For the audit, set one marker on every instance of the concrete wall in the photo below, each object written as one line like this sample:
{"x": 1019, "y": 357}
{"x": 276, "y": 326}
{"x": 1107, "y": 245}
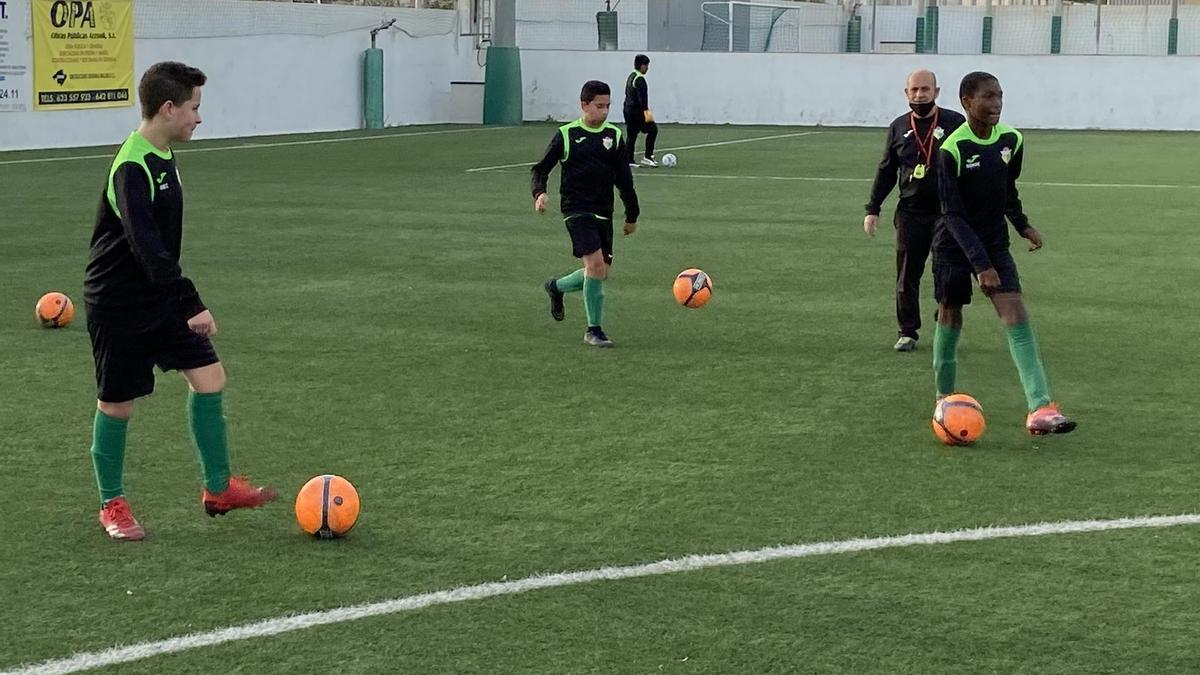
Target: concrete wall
{"x": 1068, "y": 92}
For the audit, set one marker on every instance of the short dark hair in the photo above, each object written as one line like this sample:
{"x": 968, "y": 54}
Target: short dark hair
{"x": 592, "y": 89}
{"x": 972, "y": 81}
{"x": 168, "y": 81}
{"x": 641, "y": 60}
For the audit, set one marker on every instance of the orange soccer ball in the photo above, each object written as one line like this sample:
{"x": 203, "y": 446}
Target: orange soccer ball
{"x": 958, "y": 420}
{"x": 693, "y": 288}
{"x": 327, "y": 506}
{"x": 54, "y": 310}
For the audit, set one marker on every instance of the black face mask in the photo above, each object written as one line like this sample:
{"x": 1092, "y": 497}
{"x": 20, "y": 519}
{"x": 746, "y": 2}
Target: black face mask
{"x": 923, "y": 109}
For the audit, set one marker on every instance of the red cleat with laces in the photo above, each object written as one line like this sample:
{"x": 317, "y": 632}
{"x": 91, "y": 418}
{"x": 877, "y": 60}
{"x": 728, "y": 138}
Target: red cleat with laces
{"x": 240, "y": 494}
{"x": 1048, "y": 420}
{"x": 117, "y": 519}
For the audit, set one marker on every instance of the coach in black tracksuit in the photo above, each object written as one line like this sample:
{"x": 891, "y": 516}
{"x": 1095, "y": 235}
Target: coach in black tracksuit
{"x": 910, "y": 154}
{"x": 638, "y": 118}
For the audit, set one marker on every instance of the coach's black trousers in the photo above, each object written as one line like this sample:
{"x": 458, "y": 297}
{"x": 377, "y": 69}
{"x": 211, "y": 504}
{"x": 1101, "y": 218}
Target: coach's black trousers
{"x": 914, "y": 237}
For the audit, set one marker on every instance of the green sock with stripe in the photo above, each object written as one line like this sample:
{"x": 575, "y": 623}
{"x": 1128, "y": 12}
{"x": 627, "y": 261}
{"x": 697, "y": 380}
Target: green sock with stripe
{"x": 593, "y": 300}
{"x": 570, "y": 283}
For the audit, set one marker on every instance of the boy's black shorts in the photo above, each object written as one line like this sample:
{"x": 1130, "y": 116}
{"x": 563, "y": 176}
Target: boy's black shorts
{"x": 590, "y": 233}
{"x": 125, "y": 361}
{"x": 954, "y": 279}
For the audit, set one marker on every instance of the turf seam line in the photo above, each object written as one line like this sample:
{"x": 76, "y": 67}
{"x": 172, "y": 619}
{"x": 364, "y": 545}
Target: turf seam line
{"x": 251, "y": 145}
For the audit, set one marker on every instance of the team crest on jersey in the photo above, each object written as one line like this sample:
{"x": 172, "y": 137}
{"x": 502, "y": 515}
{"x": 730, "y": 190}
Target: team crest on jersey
{"x": 608, "y": 143}
{"x": 1005, "y": 154}
{"x": 938, "y": 133}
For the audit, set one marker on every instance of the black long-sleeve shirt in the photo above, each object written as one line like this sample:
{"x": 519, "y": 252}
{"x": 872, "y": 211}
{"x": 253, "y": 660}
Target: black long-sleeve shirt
{"x": 133, "y": 279}
{"x": 594, "y": 161}
{"x": 902, "y": 154}
{"x": 637, "y": 94}
{"x": 978, "y": 190}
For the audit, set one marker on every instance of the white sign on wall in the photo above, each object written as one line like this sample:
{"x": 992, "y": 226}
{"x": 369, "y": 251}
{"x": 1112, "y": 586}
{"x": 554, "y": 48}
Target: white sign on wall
{"x": 14, "y": 56}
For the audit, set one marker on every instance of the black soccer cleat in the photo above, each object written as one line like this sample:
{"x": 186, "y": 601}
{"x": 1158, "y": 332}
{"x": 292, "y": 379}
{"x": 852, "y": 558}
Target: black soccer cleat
{"x": 556, "y": 299}
{"x": 596, "y": 337}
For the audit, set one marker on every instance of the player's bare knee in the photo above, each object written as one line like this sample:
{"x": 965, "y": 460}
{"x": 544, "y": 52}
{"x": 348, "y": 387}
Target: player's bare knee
{"x": 207, "y": 380}
{"x": 121, "y": 411}
{"x": 1010, "y": 307}
{"x": 1014, "y": 317}
{"x": 593, "y": 265}
{"x": 950, "y": 315}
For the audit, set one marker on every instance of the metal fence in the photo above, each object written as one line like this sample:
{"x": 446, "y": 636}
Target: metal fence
{"x": 1106, "y": 27}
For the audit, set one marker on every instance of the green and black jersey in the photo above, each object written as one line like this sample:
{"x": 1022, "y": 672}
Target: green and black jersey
{"x": 977, "y": 189}
{"x": 637, "y": 94}
{"x": 133, "y": 278}
{"x": 594, "y": 161}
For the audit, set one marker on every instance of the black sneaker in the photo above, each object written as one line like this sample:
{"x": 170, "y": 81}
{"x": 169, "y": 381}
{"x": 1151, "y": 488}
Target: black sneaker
{"x": 596, "y": 337}
{"x": 556, "y": 299}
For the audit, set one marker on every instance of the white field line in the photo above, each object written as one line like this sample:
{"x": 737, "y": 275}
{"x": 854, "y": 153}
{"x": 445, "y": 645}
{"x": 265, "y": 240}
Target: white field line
{"x": 715, "y": 144}
{"x": 286, "y": 624}
{"x": 269, "y": 144}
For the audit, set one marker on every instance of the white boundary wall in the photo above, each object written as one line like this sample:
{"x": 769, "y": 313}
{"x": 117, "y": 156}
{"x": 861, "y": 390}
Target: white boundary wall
{"x": 1059, "y": 92}
{"x": 272, "y": 84}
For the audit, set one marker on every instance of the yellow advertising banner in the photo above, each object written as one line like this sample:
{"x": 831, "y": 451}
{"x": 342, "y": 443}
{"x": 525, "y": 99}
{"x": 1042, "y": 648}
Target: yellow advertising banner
{"x": 82, "y": 54}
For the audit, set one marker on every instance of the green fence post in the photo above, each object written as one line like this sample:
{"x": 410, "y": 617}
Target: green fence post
{"x": 854, "y": 35}
{"x": 502, "y": 96}
{"x": 502, "y": 102}
{"x": 606, "y": 28}
{"x": 373, "y": 88}
{"x": 931, "y": 29}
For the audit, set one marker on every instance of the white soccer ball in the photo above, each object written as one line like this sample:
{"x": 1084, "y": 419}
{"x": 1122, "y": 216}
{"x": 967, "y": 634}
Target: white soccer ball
{"x": 669, "y": 160}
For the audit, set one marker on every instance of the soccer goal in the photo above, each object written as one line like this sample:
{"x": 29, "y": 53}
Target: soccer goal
{"x": 744, "y": 26}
